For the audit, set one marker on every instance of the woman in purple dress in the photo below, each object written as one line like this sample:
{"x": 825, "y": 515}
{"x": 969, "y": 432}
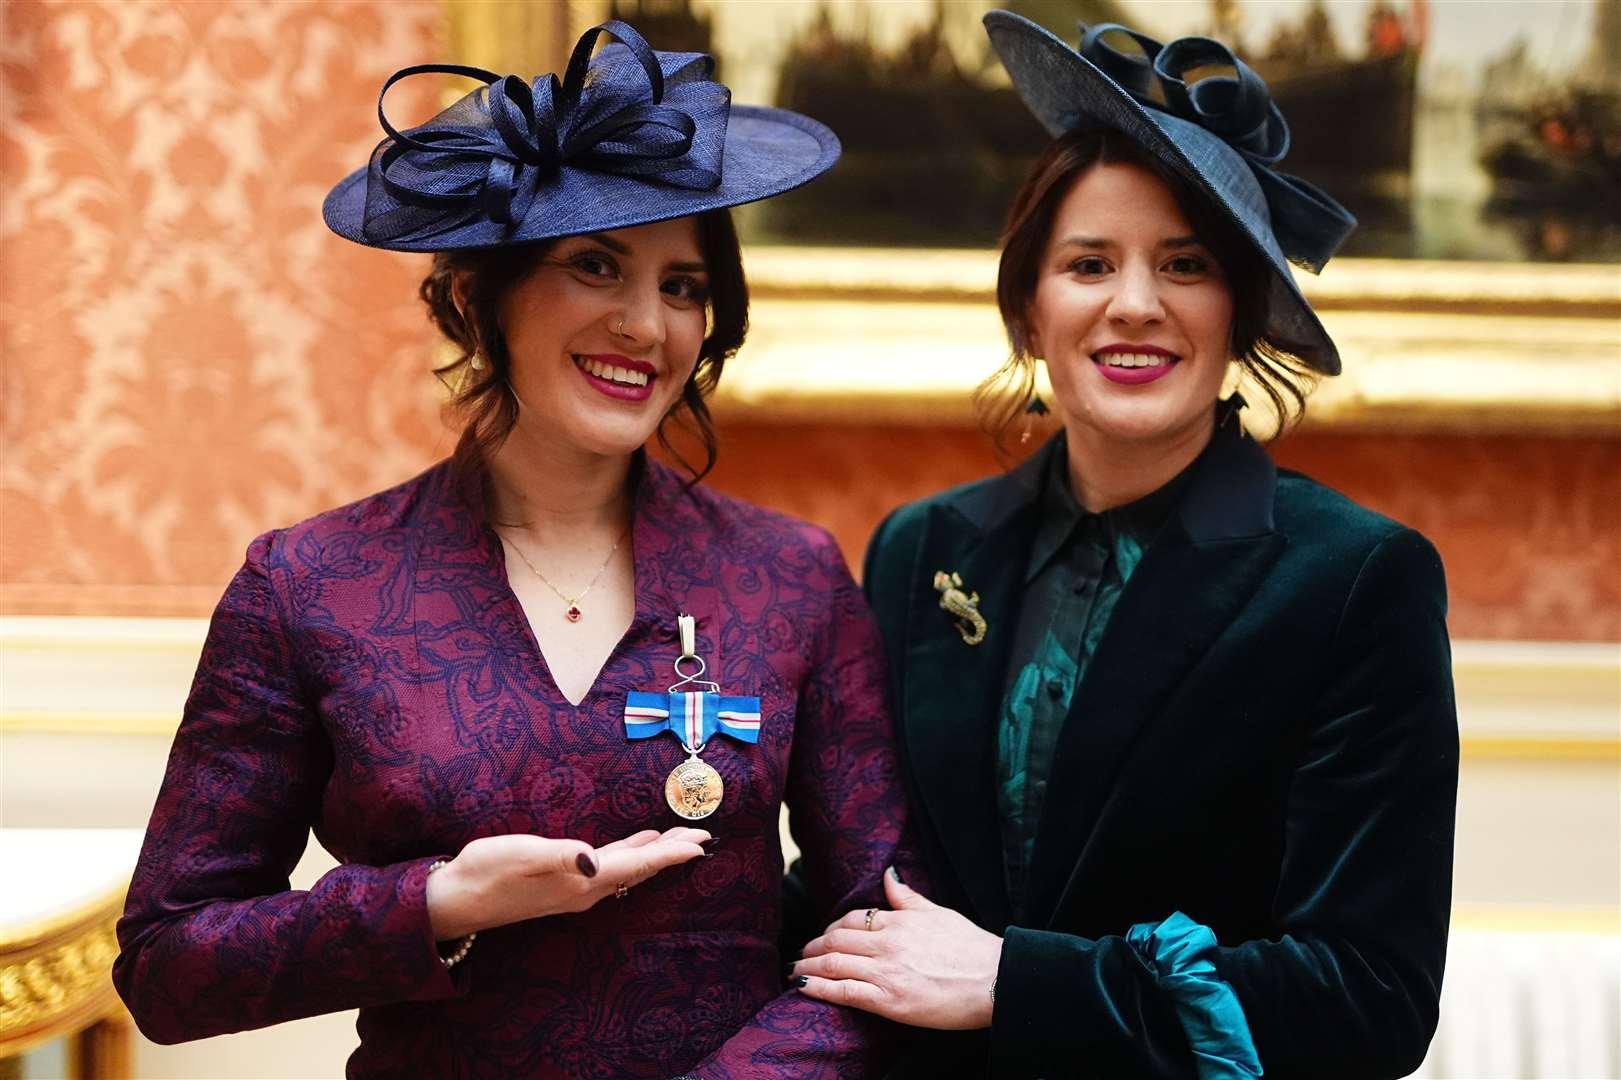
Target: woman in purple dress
{"x": 543, "y": 702}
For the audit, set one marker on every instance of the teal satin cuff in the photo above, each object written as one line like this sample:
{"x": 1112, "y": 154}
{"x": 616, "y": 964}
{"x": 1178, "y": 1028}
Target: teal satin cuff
{"x": 1181, "y": 954}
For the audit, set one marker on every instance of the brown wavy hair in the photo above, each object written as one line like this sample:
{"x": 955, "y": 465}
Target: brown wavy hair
{"x": 1281, "y": 369}
{"x": 483, "y": 399}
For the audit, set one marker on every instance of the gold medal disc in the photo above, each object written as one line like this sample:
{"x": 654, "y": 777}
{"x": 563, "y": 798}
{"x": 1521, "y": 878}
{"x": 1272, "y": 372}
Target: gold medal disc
{"x": 693, "y": 789}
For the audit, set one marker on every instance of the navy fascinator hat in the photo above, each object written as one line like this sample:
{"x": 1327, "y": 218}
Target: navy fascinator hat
{"x": 1222, "y": 132}
{"x": 629, "y": 136}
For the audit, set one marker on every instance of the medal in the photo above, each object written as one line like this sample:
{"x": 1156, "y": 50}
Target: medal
{"x": 693, "y": 789}
{"x": 694, "y": 709}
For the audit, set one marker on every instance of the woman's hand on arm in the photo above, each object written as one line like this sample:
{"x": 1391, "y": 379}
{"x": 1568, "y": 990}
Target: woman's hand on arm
{"x": 498, "y": 880}
{"x": 919, "y": 964}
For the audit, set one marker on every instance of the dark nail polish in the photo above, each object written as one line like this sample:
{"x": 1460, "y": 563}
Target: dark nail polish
{"x": 587, "y": 865}
{"x": 895, "y": 872}
{"x": 801, "y": 980}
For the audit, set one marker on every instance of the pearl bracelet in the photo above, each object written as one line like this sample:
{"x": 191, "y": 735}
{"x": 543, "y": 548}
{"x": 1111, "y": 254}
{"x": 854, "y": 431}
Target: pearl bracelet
{"x": 462, "y": 945}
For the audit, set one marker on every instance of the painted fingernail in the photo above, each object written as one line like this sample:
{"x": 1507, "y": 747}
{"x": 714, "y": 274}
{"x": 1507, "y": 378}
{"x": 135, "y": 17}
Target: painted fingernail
{"x": 801, "y": 980}
{"x": 895, "y": 872}
{"x": 587, "y": 865}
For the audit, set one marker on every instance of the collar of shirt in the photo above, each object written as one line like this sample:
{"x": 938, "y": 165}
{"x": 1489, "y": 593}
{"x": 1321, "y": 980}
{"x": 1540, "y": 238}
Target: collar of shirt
{"x": 1064, "y": 521}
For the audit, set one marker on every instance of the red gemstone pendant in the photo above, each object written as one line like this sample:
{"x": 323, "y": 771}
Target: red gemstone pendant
{"x": 573, "y": 613}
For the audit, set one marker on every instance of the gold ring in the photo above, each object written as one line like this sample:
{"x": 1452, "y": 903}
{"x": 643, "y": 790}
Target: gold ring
{"x": 867, "y": 922}
{"x": 621, "y": 891}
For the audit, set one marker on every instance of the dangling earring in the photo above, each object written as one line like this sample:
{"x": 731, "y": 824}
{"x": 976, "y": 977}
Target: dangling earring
{"x": 1037, "y": 407}
{"x": 472, "y": 374}
{"x": 476, "y": 360}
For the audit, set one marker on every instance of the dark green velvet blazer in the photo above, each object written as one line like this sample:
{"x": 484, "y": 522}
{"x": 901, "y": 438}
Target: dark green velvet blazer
{"x": 1265, "y": 740}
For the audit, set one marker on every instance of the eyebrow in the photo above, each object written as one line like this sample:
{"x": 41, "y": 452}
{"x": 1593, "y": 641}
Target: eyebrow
{"x": 1100, "y": 242}
{"x": 615, "y": 246}
{"x": 619, "y": 247}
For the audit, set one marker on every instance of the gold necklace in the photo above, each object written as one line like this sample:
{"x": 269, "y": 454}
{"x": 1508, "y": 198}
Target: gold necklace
{"x": 572, "y": 612}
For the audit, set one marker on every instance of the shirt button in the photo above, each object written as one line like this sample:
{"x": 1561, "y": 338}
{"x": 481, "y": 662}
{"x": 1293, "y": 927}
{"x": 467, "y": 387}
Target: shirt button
{"x": 1055, "y": 688}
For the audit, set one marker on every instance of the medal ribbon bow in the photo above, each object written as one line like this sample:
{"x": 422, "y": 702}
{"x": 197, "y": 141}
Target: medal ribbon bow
{"x": 694, "y": 716}
{"x": 1238, "y": 108}
{"x": 632, "y": 112}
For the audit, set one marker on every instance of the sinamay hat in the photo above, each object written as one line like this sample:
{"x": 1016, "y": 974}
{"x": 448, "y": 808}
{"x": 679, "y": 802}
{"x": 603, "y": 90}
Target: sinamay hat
{"x": 628, "y": 137}
{"x": 1222, "y": 132}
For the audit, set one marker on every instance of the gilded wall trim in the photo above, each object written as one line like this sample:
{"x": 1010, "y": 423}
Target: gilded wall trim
{"x": 888, "y": 336}
{"x": 1472, "y": 746}
{"x": 1413, "y": 285}
{"x": 1518, "y": 701}
{"x": 1537, "y": 919}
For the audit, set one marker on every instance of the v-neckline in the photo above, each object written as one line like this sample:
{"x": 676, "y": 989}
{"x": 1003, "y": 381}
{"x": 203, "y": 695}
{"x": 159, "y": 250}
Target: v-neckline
{"x": 496, "y": 548}
{"x": 646, "y": 489}
{"x": 650, "y": 491}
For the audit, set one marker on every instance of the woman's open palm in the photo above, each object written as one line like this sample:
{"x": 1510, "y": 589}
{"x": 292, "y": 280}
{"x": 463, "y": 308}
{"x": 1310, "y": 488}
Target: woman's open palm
{"x": 497, "y": 880}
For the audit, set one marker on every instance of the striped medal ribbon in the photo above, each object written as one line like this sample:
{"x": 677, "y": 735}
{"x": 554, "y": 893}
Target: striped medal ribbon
{"x": 693, "y": 789}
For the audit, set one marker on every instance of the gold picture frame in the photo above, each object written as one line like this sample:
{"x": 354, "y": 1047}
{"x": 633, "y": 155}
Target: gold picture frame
{"x": 900, "y": 335}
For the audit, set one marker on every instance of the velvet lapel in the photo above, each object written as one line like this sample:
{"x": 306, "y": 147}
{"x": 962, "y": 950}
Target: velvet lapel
{"x": 953, "y": 690}
{"x": 1193, "y": 580}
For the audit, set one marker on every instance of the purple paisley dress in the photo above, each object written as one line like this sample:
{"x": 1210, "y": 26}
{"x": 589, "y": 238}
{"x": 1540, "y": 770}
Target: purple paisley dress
{"x": 370, "y": 675}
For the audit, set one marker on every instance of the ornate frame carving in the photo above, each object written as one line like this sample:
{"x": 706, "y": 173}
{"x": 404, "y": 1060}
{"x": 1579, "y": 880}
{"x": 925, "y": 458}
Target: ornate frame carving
{"x": 55, "y": 979}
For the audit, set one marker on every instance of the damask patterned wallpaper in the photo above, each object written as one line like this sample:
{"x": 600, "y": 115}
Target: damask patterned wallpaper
{"x": 189, "y": 357}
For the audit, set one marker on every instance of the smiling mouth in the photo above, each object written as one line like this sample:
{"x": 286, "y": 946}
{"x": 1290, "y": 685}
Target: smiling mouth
{"x": 610, "y": 373}
{"x": 1135, "y": 360}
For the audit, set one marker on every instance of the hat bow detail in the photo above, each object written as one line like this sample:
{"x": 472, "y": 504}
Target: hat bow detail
{"x": 1237, "y": 108}
{"x": 630, "y": 112}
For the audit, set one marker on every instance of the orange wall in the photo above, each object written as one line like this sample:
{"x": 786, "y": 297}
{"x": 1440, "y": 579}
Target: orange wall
{"x": 1529, "y": 528}
{"x": 189, "y": 357}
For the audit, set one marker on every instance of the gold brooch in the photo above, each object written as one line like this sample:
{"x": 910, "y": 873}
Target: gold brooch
{"x": 965, "y": 606}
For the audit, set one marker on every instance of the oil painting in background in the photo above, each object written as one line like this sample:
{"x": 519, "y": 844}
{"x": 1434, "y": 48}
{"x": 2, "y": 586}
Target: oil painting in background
{"x": 1454, "y": 129}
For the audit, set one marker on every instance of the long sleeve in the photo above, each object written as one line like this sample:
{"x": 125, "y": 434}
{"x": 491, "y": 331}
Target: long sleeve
{"x": 848, "y": 813}
{"x": 1351, "y": 985}
{"x": 213, "y": 940}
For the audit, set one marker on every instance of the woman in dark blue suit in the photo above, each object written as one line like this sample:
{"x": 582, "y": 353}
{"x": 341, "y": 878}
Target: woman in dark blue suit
{"x": 1179, "y": 726}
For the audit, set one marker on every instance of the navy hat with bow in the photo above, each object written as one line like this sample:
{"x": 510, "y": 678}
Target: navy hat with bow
{"x": 1222, "y": 132}
{"x": 629, "y": 136}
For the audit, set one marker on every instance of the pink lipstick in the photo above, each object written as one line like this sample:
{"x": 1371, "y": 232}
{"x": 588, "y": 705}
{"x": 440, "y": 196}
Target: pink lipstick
{"x": 1133, "y": 365}
{"x": 616, "y": 376}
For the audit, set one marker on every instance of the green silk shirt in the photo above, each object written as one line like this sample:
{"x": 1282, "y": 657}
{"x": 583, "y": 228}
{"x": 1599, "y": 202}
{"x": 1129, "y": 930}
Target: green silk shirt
{"x": 1079, "y": 565}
